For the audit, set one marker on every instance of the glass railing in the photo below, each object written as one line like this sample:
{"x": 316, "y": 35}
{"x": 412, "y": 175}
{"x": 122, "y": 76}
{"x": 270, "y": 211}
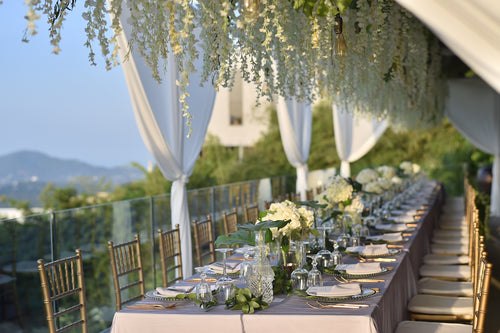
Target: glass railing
{"x": 55, "y": 235}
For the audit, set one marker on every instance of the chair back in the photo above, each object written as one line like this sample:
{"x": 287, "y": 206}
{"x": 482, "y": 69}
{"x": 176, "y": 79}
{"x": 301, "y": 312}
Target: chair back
{"x": 204, "y": 240}
{"x": 309, "y": 195}
{"x": 230, "y": 221}
{"x": 127, "y": 271}
{"x": 480, "y": 300}
{"x": 251, "y": 213}
{"x": 170, "y": 256}
{"x": 63, "y": 291}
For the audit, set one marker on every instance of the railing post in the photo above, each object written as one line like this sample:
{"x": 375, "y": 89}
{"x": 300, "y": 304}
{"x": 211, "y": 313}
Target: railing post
{"x": 152, "y": 235}
{"x": 53, "y": 242}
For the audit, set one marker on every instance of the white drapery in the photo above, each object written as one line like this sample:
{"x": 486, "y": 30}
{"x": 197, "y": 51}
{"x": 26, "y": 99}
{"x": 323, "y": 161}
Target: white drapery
{"x": 161, "y": 124}
{"x": 474, "y": 109}
{"x": 471, "y": 29}
{"x": 354, "y": 136}
{"x": 295, "y": 122}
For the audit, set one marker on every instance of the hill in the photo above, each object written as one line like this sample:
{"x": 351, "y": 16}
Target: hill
{"x": 24, "y": 174}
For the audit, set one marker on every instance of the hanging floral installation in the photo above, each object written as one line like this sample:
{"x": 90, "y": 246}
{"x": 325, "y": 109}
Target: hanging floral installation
{"x": 372, "y": 55}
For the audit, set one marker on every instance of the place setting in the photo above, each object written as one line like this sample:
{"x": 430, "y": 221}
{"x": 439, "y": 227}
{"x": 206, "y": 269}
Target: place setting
{"x": 372, "y": 251}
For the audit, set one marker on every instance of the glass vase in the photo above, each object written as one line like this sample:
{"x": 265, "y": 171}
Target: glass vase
{"x": 261, "y": 275}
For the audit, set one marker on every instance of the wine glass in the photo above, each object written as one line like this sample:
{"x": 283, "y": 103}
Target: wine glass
{"x": 299, "y": 275}
{"x": 203, "y": 289}
{"x": 314, "y": 278}
{"x": 323, "y": 254}
{"x": 224, "y": 285}
{"x": 245, "y": 265}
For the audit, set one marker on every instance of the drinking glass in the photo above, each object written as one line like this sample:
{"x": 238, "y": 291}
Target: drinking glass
{"x": 324, "y": 254}
{"x": 203, "y": 289}
{"x": 244, "y": 267}
{"x": 224, "y": 285}
{"x": 299, "y": 275}
{"x": 314, "y": 278}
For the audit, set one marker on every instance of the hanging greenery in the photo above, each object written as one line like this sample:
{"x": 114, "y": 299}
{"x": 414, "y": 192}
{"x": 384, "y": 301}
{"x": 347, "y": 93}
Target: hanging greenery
{"x": 388, "y": 66}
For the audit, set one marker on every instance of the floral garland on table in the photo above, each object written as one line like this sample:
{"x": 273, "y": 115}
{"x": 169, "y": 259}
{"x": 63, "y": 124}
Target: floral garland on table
{"x": 284, "y": 47}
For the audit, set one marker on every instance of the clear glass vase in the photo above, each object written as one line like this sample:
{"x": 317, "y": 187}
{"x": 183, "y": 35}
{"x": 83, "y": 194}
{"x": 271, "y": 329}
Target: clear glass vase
{"x": 261, "y": 275}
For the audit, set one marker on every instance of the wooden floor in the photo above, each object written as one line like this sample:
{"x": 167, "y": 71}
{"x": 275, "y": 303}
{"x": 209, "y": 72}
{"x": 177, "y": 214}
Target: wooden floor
{"x": 492, "y": 324}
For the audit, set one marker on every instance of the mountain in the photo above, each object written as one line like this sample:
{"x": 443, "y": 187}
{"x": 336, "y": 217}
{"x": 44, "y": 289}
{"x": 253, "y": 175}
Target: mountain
{"x": 25, "y": 172}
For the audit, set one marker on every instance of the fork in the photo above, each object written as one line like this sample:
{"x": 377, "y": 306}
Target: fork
{"x": 152, "y": 306}
{"x": 340, "y": 306}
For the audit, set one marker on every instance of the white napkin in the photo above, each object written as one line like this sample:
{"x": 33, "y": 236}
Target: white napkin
{"x": 343, "y": 289}
{"x": 375, "y": 250}
{"x": 391, "y": 227}
{"x": 401, "y": 219}
{"x": 360, "y": 268}
{"x": 173, "y": 291}
{"x": 231, "y": 267}
{"x": 390, "y": 238}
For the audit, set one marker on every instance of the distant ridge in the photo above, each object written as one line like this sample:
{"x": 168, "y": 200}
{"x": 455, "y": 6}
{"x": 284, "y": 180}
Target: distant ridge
{"x": 29, "y": 171}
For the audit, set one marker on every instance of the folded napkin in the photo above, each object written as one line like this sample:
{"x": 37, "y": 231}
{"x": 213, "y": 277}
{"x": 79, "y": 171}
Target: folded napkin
{"x": 391, "y": 227}
{"x": 375, "y": 250}
{"x": 390, "y": 238}
{"x": 360, "y": 268}
{"x": 231, "y": 267}
{"x": 401, "y": 219}
{"x": 343, "y": 289}
{"x": 173, "y": 291}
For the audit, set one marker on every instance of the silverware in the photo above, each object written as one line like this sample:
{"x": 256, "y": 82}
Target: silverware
{"x": 152, "y": 306}
{"x": 180, "y": 290}
{"x": 338, "y": 306}
{"x": 344, "y": 280}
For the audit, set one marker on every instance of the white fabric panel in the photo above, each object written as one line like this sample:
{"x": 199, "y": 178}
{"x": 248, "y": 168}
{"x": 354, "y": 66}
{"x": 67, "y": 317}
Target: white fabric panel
{"x": 295, "y": 121}
{"x": 161, "y": 124}
{"x": 474, "y": 109}
{"x": 471, "y": 29}
{"x": 354, "y": 136}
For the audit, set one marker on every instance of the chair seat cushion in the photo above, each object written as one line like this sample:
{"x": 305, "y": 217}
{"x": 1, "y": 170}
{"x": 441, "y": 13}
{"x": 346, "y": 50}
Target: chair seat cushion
{"x": 444, "y": 305}
{"x": 446, "y": 288}
{"x": 441, "y": 259}
{"x": 451, "y": 240}
{"x": 450, "y": 233}
{"x": 451, "y": 249}
{"x": 431, "y": 327}
{"x": 462, "y": 272}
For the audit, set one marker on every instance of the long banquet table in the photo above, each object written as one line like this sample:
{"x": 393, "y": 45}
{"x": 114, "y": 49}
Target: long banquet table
{"x": 292, "y": 314}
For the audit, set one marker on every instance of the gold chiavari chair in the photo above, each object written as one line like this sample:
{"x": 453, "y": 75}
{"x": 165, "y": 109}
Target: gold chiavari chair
{"x": 251, "y": 213}
{"x": 204, "y": 240}
{"x": 127, "y": 271}
{"x": 478, "y": 313}
{"x": 64, "y": 293}
{"x": 309, "y": 195}
{"x": 230, "y": 221}
{"x": 170, "y": 255}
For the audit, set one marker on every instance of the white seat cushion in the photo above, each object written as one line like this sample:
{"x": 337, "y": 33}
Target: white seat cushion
{"x": 446, "y": 288}
{"x": 451, "y": 249}
{"x": 444, "y": 305}
{"x": 441, "y": 259}
{"x": 450, "y": 233}
{"x": 454, "y": 226}
{"x": 462, "y": 272}
{"x": 451, "y": 240}
{"x": 431, "y": 327}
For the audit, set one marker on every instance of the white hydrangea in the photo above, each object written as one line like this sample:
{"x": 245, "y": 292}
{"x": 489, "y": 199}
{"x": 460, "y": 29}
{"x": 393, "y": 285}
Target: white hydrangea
{"x": 366, "y": 176}
{"x": 407, "y": 167}
{"x": 356, "y": 206}
{"x": 415, "y": 168}
{"x": 301, "y": 219}
{"x": 373, "y": 187}
{"x": 384, "y": 183}
{"x": 386, "y": 172}
{"x": 396, "y": 180}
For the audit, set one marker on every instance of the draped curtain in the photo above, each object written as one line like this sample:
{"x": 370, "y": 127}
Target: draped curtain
{"x": 471, "y": 29}
{"x": 354, "y": 136}
{"x": 295, "y": 122}
{"x": 162, "y": 127}
{"x": 474, "y": 109}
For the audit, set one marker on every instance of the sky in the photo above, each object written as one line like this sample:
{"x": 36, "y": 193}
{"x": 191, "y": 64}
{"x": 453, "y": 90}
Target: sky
{"x": 60, "y": 104}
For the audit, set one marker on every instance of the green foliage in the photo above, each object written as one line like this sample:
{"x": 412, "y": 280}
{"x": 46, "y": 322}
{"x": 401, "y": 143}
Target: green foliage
{"x": 482, "y": 202}
{"x": 312, "y": 8}
{"x": 246, "y": 302}
{"x": 282, "y": 284}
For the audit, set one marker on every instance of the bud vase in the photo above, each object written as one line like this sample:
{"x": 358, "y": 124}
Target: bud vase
{"x": 261, "y": 275}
